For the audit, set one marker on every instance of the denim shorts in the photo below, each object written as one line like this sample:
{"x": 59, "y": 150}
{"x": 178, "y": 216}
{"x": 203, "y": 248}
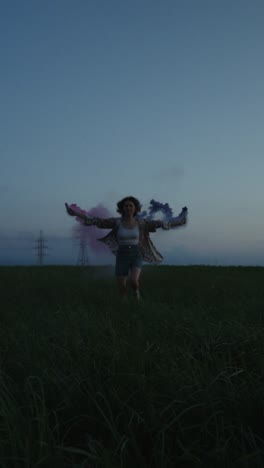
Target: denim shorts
{"x": 127, "y": 257}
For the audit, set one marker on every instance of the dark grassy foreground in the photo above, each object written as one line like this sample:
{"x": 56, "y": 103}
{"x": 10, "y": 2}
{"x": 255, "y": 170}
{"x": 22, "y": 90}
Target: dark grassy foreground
{"x": 177, "y": 381}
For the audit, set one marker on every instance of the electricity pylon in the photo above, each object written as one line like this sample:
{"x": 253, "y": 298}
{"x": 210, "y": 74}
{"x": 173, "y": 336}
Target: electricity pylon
{"x": 40, "y": 247}
{"x": 83, "y": 258}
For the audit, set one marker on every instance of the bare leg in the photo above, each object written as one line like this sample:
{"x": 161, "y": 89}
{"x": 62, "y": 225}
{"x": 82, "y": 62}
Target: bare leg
{"x": 122, "y": 286}
{"x": 135, "y": 274}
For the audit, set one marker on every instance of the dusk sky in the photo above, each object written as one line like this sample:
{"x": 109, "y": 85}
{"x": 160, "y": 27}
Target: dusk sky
{"x": 158, "y": 99}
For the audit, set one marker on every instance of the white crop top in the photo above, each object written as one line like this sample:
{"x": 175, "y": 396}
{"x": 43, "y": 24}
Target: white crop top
{"x": 127, "y": 236}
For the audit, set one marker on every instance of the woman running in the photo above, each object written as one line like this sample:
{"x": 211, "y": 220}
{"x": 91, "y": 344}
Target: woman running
{"x": 129, "y": 239}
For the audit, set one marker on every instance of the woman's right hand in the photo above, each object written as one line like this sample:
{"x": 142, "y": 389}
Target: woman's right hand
{"x": 69, "y": 210}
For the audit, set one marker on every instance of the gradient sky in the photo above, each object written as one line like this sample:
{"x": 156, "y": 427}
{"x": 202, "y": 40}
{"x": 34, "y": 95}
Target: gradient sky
{"x": 156, "y": 99}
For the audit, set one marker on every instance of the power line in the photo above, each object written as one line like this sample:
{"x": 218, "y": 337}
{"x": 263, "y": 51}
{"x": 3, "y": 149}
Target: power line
{"x": 40, "y": 247}
{"x": 83, "y": 258}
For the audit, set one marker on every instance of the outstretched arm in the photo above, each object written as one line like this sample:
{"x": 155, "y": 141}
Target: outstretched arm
{"x": 107, "y": 223}
{"x": 175, "y": 222}
{"x": 178, "y": 221}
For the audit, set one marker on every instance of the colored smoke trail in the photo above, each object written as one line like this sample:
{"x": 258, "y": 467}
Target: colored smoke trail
{"x": 92, "y": 233}
{"x": 156, "y": 207}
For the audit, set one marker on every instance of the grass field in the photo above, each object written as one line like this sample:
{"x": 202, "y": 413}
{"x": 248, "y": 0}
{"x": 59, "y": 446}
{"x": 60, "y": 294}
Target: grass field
{"x": 174, "y": 381}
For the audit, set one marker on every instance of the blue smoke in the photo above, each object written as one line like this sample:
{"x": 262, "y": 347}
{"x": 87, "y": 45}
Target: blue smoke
{"x": 156, "y": 207}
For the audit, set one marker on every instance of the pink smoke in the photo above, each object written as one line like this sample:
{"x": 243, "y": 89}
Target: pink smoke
{"x": 92, "y": 233}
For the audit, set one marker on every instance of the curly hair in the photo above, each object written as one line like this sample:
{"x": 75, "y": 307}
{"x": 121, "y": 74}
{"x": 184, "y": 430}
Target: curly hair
{"x": 134, "y": 200}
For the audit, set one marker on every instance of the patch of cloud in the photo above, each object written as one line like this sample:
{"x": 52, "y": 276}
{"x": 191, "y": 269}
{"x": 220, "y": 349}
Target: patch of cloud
{"x": 112, "y": 196}
{"x": 175, "y": 172}
{"x": 25, "y": 236}
{"x": 4, "y": 236}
